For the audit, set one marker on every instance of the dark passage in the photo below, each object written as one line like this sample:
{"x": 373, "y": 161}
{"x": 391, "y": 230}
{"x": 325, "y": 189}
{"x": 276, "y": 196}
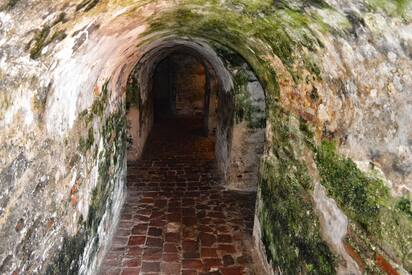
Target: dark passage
{"x": 178, "y": 219}
{"x": 179, "y": 86}
{"x": 182, "y": 87}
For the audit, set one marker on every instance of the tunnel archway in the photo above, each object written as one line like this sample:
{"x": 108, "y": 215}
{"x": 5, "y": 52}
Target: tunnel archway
{"x": 196, "y": 131}
{"x": 231, "y": 103}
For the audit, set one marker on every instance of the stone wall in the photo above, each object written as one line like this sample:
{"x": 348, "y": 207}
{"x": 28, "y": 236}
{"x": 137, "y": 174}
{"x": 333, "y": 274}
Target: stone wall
{"x": 60, "y": 198}
{"x": 190, "y": 85}
{"x": 248, "y": 133}
{"x": 336, "y": 76}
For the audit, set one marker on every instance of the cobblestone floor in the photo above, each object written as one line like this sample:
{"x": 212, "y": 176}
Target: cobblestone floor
{"x": 177, "y": 219}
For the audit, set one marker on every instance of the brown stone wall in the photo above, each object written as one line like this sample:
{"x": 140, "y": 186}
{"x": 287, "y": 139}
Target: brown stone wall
{"x": 190, "y": 85}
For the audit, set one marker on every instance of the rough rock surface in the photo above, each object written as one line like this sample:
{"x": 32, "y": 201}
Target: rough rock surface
{"x": 330, "y": 70}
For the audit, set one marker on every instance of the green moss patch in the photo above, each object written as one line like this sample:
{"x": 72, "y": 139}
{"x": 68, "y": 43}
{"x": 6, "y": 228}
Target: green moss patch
{"x": 244, "y": 108}
{"x": 359, "y": 193}
{"x": 68, "y": 259}
{"x": 39, "y": 41}
{"x": 111, "y": 158}
{"x": 404, "y": 205}
{"x": 42, "y": 37}
{"x": 366, "y": 200}
{"x": 99, "y": 105}
{"x": 290, "y": 228}
{"x": 284, "y": 30}
{"x": 86, "y": 143}
{"x": 391, "y": 7}
{"x": 112, "y": 132}
{"x": 132, "y": 93}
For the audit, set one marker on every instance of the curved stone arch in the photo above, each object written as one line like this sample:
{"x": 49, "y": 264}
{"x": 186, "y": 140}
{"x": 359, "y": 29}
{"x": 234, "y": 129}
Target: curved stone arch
{"x": 197, "y": 47}
{"x": 151, "y": 55}
{"x": 236, "y": 160}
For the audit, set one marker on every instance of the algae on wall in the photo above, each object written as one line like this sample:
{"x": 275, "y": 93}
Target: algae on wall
{"x": 382, "y": 227}
{"x": 290, "y": 227}
{"x": 108, "y": 153}
{"x": 247, "y": 102}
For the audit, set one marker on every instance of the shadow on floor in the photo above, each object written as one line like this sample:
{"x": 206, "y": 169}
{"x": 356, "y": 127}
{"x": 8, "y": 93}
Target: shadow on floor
{"x": 177, "y": 218}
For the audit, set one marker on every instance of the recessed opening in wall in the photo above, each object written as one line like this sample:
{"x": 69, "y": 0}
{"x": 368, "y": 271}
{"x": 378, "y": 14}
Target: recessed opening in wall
{"x": 223, "y": 99}
{"x": 194, "y": 129}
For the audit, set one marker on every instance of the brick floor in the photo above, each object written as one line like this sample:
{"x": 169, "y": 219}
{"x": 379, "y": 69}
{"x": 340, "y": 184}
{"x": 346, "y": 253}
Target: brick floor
{"x": 177, "y": 218}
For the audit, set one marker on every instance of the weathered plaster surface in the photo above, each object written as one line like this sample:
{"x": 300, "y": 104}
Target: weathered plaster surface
{"x": 344, "y": 69}
{"x": 334, "y": 226}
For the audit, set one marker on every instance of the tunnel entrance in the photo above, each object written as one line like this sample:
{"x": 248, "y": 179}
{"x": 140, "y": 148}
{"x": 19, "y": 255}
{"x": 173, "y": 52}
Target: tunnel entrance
{"x": 179, "y": 217}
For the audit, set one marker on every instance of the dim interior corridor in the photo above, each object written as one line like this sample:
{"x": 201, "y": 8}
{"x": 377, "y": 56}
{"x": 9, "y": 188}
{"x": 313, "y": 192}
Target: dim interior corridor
{"x": 177, "y": 218}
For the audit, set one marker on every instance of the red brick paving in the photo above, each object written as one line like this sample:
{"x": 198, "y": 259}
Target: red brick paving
{"x": 177, "y": 218}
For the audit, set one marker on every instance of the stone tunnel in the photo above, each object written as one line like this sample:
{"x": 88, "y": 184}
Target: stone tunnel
{"x": 205, "y": 137}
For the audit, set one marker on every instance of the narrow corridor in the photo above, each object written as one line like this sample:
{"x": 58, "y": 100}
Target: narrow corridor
{"x": 177, "y": 218}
